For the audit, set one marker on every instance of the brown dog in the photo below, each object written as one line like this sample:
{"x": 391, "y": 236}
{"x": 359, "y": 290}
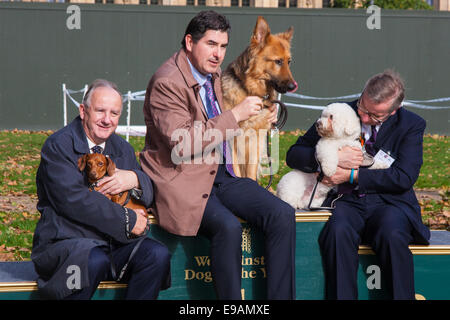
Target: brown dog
{"x": 261, "y": 70}
{"x": 97, "y": 166}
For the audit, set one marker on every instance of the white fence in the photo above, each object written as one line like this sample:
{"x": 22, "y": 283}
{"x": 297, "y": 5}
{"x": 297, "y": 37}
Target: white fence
{"x": 126, "y": 130}
{"x": 133, "y": 130}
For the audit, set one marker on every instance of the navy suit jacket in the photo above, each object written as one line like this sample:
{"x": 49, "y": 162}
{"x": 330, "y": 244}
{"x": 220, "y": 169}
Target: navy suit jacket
{"x": 74, "y": 219}
{"x": 402, "y": 136}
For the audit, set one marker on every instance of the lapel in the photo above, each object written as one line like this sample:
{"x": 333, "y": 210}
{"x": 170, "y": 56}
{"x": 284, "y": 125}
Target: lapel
{"x": 80, "y": 143}
{"x": 217, "y": 89}
{"x": 111, "y": 148}
{"x": 200, "y": 102}
{"x": 386, "y": 130}
{"x": 185, "y": 70}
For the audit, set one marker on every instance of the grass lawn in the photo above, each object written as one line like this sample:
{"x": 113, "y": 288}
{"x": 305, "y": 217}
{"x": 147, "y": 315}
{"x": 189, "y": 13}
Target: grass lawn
{"x": 20, "y": 157}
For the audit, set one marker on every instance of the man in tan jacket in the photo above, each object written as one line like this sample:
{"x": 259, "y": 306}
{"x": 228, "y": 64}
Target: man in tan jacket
{"x": 195, "y": 191}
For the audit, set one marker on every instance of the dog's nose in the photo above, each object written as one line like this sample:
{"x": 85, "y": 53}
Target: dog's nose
{"x": 292, "y": 86}
{"x": 318, "y": 124}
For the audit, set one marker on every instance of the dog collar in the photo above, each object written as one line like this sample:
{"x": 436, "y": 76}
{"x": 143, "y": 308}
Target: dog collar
{"x": 93, "y": 185}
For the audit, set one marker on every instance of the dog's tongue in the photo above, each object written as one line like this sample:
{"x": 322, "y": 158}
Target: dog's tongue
{"x": 296, "y": 87}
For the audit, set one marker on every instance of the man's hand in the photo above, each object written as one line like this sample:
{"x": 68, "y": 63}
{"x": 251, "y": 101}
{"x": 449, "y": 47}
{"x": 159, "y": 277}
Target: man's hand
{"x": 120, "y": 181}
{"x": 350, "y": 157}
{"x": 250, "y": 106}
{"x": 341, "y": 176}
{"x": 141, "y": 222}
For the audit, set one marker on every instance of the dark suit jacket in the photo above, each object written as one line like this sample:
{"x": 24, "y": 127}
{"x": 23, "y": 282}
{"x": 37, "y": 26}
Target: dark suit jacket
{"x": 402, "y": 136}
{"x": 73, "y": 219}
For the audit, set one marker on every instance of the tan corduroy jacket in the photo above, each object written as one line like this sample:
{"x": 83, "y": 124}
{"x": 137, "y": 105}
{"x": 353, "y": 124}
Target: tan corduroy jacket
{"x": 173, "y": 108}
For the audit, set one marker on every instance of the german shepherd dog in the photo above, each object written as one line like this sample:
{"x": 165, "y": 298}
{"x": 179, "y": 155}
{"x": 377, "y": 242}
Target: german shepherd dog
{"x": 261, "y": 70}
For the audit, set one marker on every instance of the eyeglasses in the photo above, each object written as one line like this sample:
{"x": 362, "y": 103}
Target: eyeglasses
{"x": 378, "y": 120}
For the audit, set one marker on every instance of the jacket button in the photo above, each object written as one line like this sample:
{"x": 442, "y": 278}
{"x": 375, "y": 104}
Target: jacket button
{"x": 212, "y": 172}
{"x": 205, "y": 196}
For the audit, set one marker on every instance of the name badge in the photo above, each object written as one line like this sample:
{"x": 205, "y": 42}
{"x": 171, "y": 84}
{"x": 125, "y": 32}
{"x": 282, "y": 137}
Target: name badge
{"x": 384, "y": 157}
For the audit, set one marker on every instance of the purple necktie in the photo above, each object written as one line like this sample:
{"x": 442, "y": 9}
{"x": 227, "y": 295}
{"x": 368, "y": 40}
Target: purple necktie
{"x": 369, "y": 146}
{"x": 212, "y": 111}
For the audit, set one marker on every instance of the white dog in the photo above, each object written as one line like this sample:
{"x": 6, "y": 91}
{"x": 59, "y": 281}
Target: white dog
{"x": 338, "y": 126}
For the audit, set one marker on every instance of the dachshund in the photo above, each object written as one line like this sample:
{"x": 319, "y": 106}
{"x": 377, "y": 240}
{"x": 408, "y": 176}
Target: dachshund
{"x": 97, "y": 166}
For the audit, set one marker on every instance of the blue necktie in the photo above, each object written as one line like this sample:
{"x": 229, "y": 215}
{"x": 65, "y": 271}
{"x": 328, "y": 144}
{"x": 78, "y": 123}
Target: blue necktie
{"x": 97, "y": 149}
{"x": 212, "y": 111}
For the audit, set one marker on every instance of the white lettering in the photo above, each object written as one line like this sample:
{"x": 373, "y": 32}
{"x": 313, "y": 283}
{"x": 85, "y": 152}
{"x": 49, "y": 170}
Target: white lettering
{"x": 74, "y": 20}
{"x": 74, "y": 280}
{"x": 374, "y": 280}
{"x": 374, "y": 20}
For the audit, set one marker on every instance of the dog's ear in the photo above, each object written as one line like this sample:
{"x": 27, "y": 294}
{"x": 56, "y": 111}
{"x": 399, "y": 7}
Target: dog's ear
{"x": 352, "y": 127}
{"x": 111, "y": 167}
{"x": 260, "y": 33}
{"x": 350, "y": 131}
{"x": 288, "y": 34}
{"x": 82, "y": 162}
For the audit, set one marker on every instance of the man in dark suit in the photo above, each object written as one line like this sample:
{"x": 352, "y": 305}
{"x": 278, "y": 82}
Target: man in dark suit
{"x": 82, "y": 237}
{"x": 378, "y": 207}
{"x": 205, "y": 197}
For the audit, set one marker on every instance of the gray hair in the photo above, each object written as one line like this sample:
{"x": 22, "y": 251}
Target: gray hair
{"x": 386, "y": 86}
{"x": 98, "y": 83}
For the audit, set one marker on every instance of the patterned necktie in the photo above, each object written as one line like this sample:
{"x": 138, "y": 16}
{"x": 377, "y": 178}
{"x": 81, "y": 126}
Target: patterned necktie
{"x": 212, "y": 111}
{"x": 369, "y": 146}
{"x": 97, "y": 149}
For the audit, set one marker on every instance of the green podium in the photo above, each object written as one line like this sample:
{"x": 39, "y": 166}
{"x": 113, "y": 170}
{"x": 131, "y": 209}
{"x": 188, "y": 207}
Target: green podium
{"x": 191, "y": 275}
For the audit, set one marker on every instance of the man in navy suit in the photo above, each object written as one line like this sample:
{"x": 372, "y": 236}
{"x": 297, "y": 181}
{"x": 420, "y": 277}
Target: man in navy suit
{"x": 378, "y": 207}
{"x": 82, "y": 237}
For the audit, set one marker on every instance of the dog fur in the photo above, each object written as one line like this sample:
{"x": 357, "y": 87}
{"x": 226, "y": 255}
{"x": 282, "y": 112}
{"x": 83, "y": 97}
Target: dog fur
{"x": 97, "y": 166}
{"x": 261, "y": 70}
{"x": 338, "y": 126}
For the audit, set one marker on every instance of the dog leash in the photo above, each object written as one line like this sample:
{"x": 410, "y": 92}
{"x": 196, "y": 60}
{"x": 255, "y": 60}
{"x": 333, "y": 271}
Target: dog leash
{"x": 124, "y": 268}
{"x": 283, "y": 112}
{"x": 133, "y": 252}
{"x": 319, "y": 178}
{"x": 277, "y": 126}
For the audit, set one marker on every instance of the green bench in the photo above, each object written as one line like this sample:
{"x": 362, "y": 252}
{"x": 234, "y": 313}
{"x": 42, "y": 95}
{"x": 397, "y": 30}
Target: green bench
{"x": 191, "y": 276}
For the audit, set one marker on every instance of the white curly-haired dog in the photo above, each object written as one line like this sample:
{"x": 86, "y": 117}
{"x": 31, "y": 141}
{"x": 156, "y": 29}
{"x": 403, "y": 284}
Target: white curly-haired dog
{"x": 338, "y": 126}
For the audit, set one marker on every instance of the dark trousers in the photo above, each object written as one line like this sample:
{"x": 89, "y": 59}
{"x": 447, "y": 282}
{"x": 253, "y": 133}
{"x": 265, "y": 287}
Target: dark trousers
{"x": 371, "y": 221}
{"x": 147, "y": 273}
{"x": 241, "y": 197}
